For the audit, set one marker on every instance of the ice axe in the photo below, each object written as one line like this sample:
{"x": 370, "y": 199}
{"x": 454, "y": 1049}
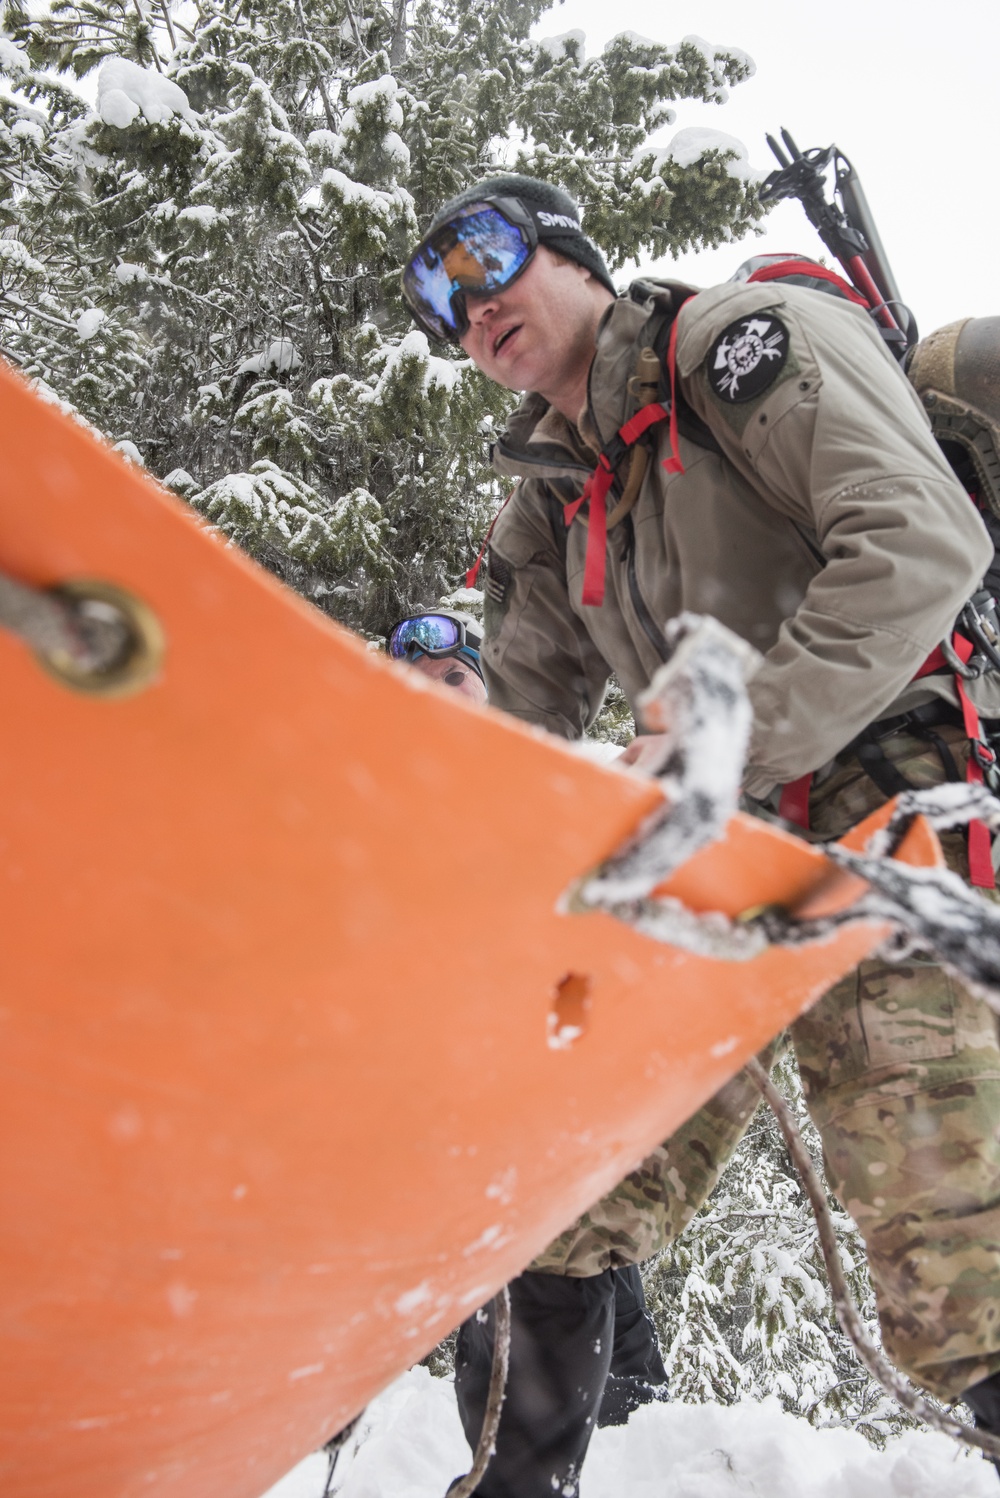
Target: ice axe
{"x": 845, "y": 224}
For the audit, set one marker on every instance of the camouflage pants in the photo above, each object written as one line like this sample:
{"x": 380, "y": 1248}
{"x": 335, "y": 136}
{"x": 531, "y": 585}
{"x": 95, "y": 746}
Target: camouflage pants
{"x": 901, "y": 1070}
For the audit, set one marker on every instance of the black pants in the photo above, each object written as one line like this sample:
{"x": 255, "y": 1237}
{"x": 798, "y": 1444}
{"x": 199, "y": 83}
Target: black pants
{"x": 637, "y": 1373}
{"x": 582, "y": 1352}
{"x": 983, "y": 1400}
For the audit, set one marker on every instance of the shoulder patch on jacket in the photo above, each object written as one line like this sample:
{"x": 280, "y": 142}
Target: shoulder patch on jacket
{"x": 496, "y": 587}
{"x": 747, "y": 357}
{"x": 498, "y": 574}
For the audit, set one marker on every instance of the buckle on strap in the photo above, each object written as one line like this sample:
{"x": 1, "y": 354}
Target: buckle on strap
{"x": 984, "y": 756}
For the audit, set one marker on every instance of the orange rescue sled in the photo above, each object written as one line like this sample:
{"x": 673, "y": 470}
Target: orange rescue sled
{"x": 280, "y": 955}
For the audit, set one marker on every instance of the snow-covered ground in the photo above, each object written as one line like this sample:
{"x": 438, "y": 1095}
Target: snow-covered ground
{"x": 413, "y": 1446}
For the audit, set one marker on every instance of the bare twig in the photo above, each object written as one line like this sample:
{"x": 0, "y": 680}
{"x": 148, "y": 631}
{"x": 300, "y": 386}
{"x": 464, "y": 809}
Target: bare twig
{"x": 165, "y": 9}
{"x": 354, "y": 27}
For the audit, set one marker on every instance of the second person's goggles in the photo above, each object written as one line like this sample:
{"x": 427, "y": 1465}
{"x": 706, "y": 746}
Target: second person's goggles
{"x": 436, "y": 635}
{"x": 481, "y": 250}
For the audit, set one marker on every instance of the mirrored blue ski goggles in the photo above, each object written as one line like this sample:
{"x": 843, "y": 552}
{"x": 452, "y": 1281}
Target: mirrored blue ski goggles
{"x": 436, "y": 635}
{"x": 481, "y": 250}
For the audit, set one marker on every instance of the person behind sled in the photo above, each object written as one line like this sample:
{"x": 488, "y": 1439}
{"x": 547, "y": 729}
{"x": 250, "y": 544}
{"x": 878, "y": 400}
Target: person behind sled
{"x": 755, "y": 453}
{"x": 590, "y": 1370}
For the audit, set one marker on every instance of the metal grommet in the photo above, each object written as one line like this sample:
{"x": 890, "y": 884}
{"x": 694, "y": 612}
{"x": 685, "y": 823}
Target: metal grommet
{"x": 135, "y": 665}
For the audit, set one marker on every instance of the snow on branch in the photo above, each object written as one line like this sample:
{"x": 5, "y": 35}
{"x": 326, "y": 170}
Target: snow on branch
{"x": 13, "y": 61}
{"x": 414, "y": 351}
{"x": 280, "y": 355}
{"x": 125, "y": 90}
{"x": 568, "y": 43}
{"x": 690, "y": 145}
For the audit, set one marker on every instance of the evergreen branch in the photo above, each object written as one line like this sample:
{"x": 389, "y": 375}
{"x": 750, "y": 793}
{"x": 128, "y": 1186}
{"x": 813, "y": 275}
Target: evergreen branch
{"x": 144, "y": 23}
{"x": 34, "y": 311}
{"x": 331, "y": 119}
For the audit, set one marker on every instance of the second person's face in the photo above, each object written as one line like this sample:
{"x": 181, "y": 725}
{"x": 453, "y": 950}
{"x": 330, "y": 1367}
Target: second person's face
{"x": 455, "y": 673}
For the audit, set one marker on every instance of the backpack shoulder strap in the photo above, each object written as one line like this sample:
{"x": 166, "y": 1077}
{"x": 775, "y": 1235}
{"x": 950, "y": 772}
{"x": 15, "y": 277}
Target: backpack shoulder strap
{"x": 689, "y": 423}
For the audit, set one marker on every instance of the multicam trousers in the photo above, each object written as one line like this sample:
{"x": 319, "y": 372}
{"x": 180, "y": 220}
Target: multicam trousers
{"x": 901, "y": 1071}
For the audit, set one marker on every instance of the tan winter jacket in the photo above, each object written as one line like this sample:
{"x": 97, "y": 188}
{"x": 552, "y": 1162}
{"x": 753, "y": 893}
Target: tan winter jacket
{"x": 826, "y": 528}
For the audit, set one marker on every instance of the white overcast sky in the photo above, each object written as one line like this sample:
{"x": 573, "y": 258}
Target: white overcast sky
{"x": 908, "y": 91}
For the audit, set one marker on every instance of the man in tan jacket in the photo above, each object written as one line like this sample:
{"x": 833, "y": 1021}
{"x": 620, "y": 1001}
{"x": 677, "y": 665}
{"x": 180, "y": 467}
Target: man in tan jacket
{"x": 797, "y": 494}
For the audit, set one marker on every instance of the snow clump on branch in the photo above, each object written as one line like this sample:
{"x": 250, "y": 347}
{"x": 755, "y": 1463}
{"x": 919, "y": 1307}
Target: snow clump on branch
{"x": 12, "y": 60}
{"x": 415, "y": 350}
{"x": 693, "y": 143}
{"x": 281, "y": 355}
{"x": 558, "y": 47}
{"x": 124, "y": 91}
{"x": 88, "y": 323}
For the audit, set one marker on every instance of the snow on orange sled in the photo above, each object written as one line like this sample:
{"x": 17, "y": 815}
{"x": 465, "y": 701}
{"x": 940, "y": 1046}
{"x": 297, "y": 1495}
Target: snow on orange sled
{"x": 289, "y": 1076}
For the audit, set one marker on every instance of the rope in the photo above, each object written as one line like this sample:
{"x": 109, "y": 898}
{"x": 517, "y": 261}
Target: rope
{"x": 878, "y": 1365}
{"x": 487, "y": 1442}
{"x": 88, "y": 633}
{"x": 929, "y": 909}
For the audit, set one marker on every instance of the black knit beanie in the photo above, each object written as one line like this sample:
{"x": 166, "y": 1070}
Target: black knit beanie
{"x": 556, "y": 216}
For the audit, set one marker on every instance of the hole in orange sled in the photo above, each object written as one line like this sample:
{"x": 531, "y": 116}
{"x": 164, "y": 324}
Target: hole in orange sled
{"x": 570, "y": 1011}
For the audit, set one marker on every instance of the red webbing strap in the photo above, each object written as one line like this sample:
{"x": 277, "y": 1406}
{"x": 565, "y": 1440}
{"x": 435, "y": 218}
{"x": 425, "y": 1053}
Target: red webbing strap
{"x": 673, "y": 464}
{"x": 570, "y": 511}
{"x": 473, "y": 572}
{"x": 795, "y": 267}
{"x": 936, "y": 661}
{"x": 980, "y": 857}
{"x": 793, "y": 804}
{"x": 641, "y": 422}
{"x": 596, "y": 490}
{"x": 597, "y": 534}
{"x": 600, "y": 481}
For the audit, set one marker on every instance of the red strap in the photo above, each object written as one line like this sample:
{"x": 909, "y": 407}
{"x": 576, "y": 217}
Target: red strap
{"x": 936, "y": 661}
{"x": 596, "y": 490}
{"x": 980, "y": 859}
{"x": 570, "y": 511}
{"x": 597, "y": 536}
{"x": 473, "y": 572}
{"x": 793, "y": 804}
{"x": 781, "y": 269}
{"x": 597, "y": 486}
{"x": 641, "y": 422}
{"x": 673, "y": 464}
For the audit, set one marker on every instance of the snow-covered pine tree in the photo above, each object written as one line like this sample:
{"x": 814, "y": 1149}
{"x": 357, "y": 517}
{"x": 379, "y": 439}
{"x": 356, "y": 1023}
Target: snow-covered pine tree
{"x": 205, "y": 266}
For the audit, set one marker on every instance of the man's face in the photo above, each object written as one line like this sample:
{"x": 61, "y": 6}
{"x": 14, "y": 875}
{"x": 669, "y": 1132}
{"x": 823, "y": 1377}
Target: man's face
{"x": 454, "y": 672}
{"x": 538, "y": 333}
